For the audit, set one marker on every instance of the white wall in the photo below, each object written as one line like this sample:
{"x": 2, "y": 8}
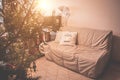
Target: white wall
{"x": 98, "y": 14}
{"x": 101, "y": 14}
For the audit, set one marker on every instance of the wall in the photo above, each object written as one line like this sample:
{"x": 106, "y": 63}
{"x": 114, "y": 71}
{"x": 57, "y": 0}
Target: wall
{"x": 98, "y": 14}
{"x": 101, "y": 14}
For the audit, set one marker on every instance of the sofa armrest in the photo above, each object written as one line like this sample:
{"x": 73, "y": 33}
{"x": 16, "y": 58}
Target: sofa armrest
{"x": 102, "y": 63}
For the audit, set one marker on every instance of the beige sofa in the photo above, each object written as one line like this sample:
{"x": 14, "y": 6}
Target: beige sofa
{"x": 88, "y": 57}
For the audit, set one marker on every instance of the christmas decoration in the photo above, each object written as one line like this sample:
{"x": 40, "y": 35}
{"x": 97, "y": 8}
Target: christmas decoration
{"x": 20, "y": 36}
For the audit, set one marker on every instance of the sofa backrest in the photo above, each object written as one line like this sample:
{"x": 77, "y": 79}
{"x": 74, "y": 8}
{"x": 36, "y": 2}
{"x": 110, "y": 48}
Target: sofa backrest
{"x": 100, "y": 39}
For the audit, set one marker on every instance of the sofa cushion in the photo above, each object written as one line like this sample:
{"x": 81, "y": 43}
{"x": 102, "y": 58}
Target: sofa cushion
{"x": 68, "y": 38}
{"x": 63, "y": 55}
{"x": 61, "y": 51}
{"x": 58, "y": 36}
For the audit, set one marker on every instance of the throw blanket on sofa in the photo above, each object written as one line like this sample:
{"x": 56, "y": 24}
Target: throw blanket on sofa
{"x": 88, "y": 57}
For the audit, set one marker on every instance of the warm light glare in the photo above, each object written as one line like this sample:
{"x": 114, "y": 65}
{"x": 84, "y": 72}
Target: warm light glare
{"x": 45, "y": 6}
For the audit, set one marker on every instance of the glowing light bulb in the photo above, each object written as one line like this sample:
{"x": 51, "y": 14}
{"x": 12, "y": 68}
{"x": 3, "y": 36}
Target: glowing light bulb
{"x": 45, "y": 6}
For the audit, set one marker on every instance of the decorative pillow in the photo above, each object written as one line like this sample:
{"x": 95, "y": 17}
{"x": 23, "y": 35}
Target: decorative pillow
{"x": 58, "y": 36}
{"x": 68, "y": 38}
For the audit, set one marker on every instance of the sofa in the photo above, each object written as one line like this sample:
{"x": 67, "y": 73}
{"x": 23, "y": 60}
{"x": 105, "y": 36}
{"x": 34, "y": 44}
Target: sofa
{"x": 90, "y": 54}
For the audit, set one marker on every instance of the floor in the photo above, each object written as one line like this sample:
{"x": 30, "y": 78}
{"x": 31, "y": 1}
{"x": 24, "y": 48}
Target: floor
{"x": 47, "y": 70}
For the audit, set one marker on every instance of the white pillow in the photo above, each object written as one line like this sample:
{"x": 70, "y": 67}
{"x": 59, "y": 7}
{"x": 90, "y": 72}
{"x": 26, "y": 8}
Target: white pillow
{"x": 68, "y": 38}
{"x": 58, "y": 36}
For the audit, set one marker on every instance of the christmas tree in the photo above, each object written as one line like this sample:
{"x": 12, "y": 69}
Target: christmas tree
{"x": 21, "y": 34}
